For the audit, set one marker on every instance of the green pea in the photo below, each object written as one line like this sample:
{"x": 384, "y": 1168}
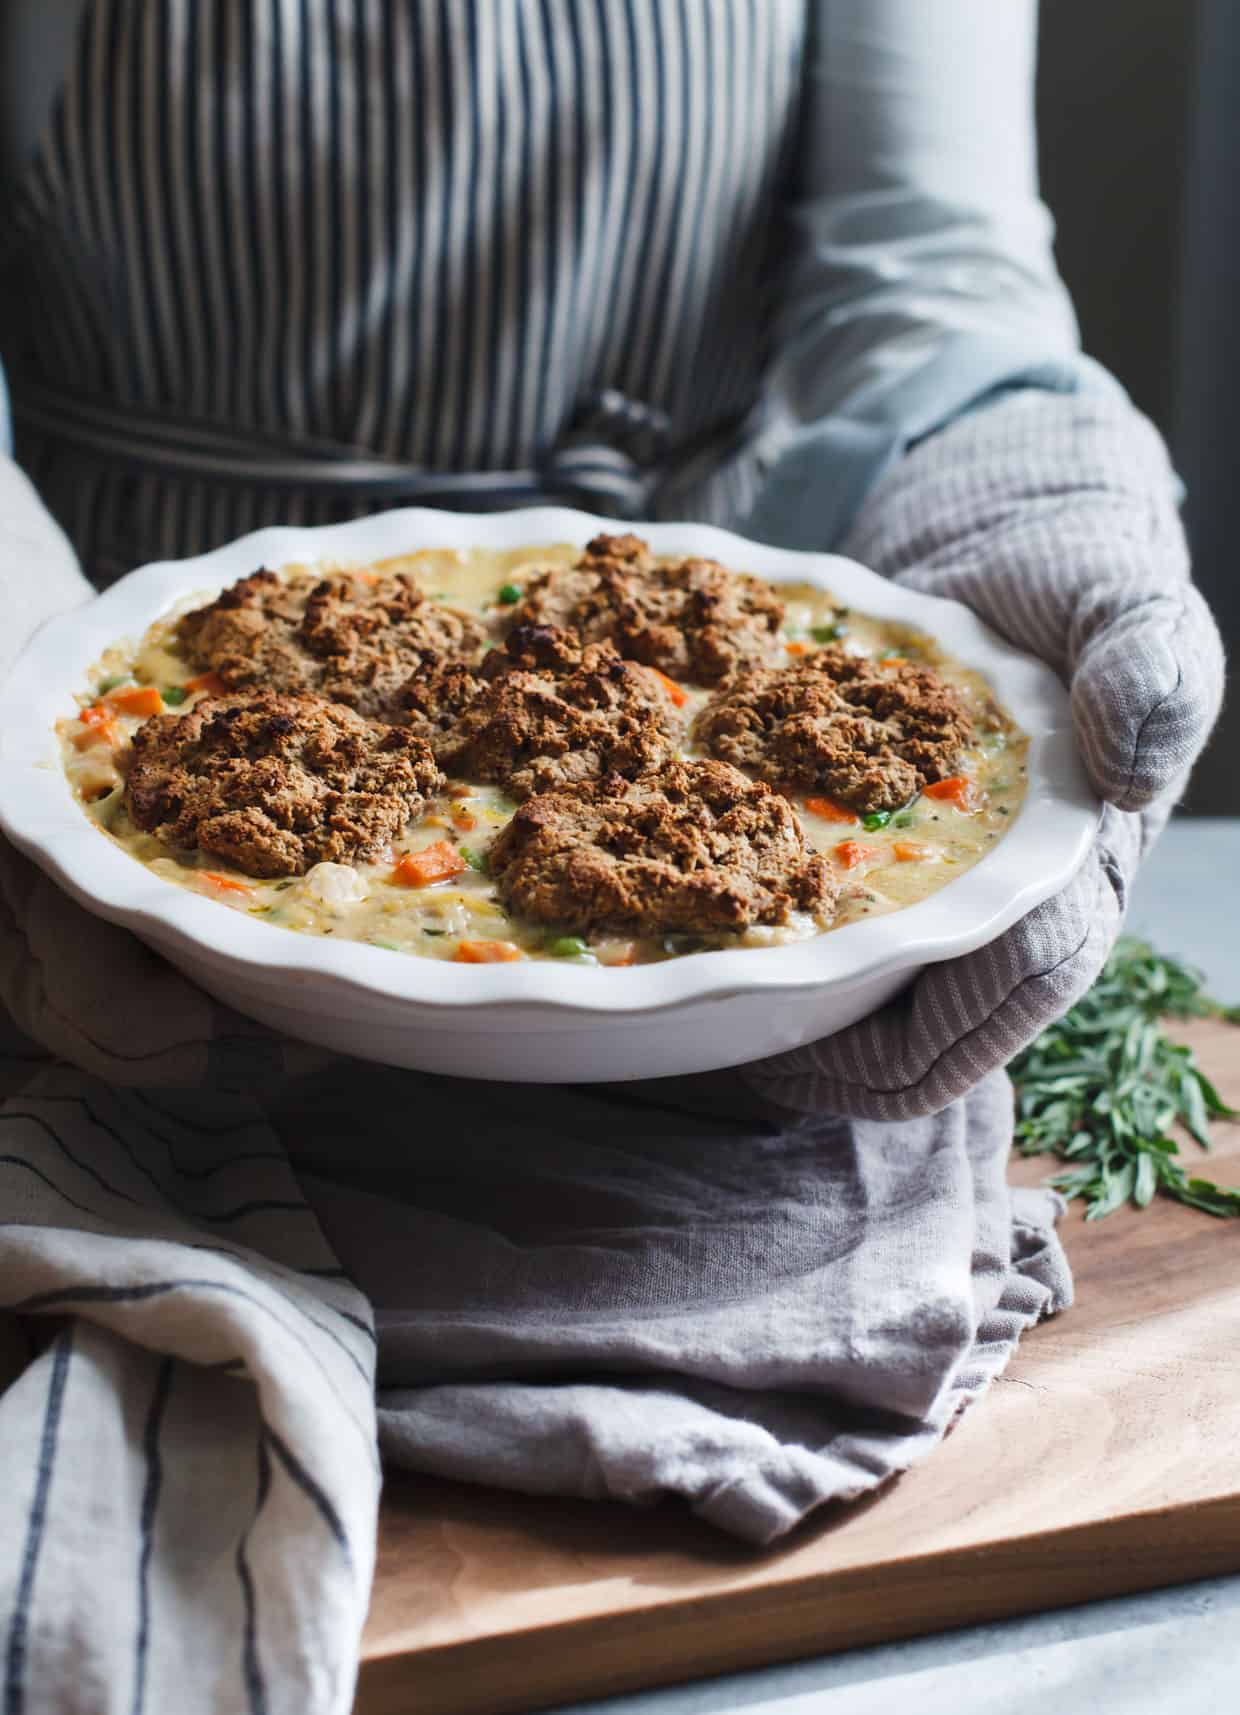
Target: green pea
{"x": 875, "y": 820}
{"x": 568, "y": 947}
{"x": 509, "y": 594}
{"x": 905, "y": 820}
{"x": 112, "y": 681}
{"x": 174, "y": 695}
{"x": 827, "y": 633}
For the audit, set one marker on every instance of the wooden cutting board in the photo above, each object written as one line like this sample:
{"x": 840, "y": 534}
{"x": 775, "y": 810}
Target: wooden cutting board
{"x": 1107, "y": 1460}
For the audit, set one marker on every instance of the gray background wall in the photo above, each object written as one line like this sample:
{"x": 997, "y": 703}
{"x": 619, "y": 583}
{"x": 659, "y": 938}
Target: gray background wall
{"x": 1141, "y": 165}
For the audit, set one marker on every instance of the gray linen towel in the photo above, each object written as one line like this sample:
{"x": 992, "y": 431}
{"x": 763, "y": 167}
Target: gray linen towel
{"x": 668, "y": 1289}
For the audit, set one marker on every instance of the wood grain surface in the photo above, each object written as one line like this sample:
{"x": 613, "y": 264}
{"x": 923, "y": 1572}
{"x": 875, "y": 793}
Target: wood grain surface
{"x": 1106, "y": 1460}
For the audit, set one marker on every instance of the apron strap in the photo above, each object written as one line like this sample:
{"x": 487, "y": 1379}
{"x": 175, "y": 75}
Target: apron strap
{"x": 596, "y": 461}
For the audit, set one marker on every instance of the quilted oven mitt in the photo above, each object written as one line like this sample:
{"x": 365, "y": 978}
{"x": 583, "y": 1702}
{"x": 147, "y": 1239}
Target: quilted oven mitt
{"x": 1054, "y": 517}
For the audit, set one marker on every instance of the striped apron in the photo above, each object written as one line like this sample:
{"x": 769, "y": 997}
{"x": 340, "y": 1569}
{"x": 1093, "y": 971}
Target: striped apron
{"x": 296, "y": 260}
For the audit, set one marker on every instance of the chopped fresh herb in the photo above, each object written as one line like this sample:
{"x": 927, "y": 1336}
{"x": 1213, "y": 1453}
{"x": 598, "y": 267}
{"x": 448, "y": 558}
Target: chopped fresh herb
{"x": 509, "y": 594}
{"x": 174, "y": 695}
{"x": 905, "y": 819}
{"x": 112, "y": 681}
{"x": 875, "y": 820}
{"x": 281, "y": 885}
{"x": 569, "y": 947}
{"x": 1102, "y": 1088}
{"x": 828, "y": 633}
{"x": 388, "y": 946}
{"x": 475, "y": 860}
{"x": 434, "y": 931}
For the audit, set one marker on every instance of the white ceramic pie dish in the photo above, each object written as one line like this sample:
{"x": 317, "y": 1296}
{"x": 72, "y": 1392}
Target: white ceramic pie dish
{"x": 541, "y": 1021}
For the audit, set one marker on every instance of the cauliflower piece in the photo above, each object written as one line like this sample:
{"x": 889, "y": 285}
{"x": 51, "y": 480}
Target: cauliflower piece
{"x": 335, "y": 884}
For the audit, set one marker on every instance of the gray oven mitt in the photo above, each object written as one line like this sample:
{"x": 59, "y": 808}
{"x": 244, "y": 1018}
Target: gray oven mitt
{"x": 1054, "y": 517}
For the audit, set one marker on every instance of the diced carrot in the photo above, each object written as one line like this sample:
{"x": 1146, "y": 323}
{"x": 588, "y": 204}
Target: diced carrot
{"x": 226, "y": 884}
{"x": 797, "y": 648}
{"x": 211, "y": 683}
{"x": 894, "y": 661}
{"x": 95, "y": 715}
{"x": 136, "y": 700}
{"x": 908, "y": 851}
{"x": 829, "y": 810}
{"x": 103, "y": 732}
{"x": 676, "y": 692}
{"x": 486, "y": 953}
{"x": 439, "y": 862}
{"x": 850, "y": 854}
{"x": 464, "y": 820}
{"x": 957, "y": 789}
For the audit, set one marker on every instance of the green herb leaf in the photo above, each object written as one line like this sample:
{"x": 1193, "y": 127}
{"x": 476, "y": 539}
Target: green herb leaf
{"x": 475, "y": 860}
{"x": 828, "y": 633}
{"x": 1103, "y": 1087}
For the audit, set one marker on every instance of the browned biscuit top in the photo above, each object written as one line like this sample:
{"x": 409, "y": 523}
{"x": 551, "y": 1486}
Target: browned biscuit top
{"x": 275, "y": 783}
{"x": 869, "y": 735}
{"x": 693, "y": 619}
{"x": 690, "y": 846}
{"x": 352, "y": 638}
{"x": 548, "y": 710}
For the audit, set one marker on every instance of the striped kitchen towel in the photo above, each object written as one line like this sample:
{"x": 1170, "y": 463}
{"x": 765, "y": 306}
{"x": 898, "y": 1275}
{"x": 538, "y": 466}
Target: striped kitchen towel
{"x": 188, "y": 1427}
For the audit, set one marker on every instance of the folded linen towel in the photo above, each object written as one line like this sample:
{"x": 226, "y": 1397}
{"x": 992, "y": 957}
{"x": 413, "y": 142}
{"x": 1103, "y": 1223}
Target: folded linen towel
{"x": 666, "y": 1289}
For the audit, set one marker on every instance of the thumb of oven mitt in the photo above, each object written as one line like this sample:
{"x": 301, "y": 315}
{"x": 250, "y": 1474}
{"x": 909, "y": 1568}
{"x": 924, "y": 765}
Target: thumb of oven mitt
{"x": 1054, "y": 517}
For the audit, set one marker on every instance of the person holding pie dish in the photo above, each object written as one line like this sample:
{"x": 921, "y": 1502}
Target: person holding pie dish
{"x": 781, "y": 267}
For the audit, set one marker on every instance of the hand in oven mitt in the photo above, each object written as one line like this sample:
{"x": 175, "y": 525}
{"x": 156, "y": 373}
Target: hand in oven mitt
{"x": 1054, "y": 517}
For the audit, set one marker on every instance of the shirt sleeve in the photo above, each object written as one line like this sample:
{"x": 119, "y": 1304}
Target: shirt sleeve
{"x": 920, "y": 277}
{"x": 39, "y": 571}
